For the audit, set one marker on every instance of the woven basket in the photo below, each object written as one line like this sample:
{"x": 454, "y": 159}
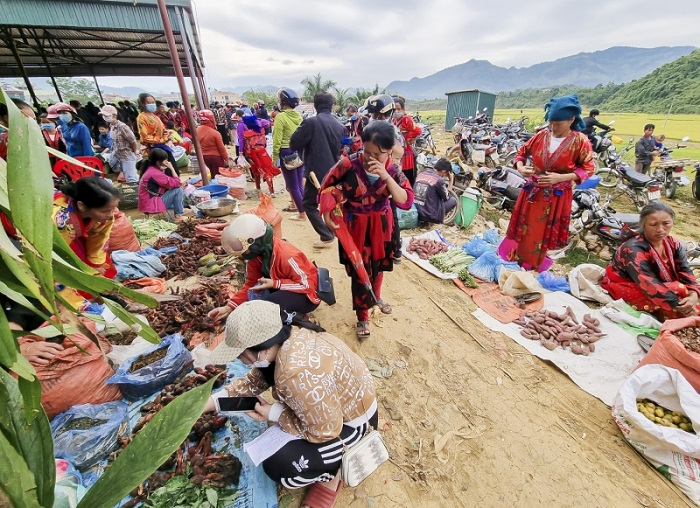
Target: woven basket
{"x": 128, "y": 196}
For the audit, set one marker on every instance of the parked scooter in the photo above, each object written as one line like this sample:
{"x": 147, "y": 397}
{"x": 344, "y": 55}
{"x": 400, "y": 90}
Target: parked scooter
{"x": 668, "y": 170}
{"x": 640, "y": 188}
{"x": 502, "y": 186}
{"x": 696, "y": 182}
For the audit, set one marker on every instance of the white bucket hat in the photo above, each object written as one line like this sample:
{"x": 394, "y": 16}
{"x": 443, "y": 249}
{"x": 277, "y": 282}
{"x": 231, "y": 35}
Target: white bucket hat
{"x": 242, "y": 232}
{"x": 249, "y": 325}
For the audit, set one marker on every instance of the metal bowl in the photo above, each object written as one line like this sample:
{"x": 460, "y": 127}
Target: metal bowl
{"x": 217, "y": 207}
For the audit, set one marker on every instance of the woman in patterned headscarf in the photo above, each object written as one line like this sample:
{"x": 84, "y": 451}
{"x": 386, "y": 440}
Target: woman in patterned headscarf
{"x": 559, "y": 155}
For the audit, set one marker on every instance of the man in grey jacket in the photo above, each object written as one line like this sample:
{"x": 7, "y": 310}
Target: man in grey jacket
{"x": 318, "y": 140}
{"x": 645, "y": 150}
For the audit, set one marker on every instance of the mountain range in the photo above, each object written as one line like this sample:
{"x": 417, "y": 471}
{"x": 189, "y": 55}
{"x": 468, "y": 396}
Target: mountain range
{"x": 618, "y": 64}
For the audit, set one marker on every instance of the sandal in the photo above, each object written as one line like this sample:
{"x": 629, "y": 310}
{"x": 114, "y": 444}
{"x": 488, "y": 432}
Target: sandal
{"x": 319, "y": 496}
{"x": 384, "y": 307}
{"x": 290, "y": 209}
{"x": 298, "y": 218}
{"x": 397, "y": 260}
{"x": 362, "y": 330}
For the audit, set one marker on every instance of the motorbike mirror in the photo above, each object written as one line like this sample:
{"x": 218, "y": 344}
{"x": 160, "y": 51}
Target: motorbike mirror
{"x": 685, "y": 138}
{"x": 485, "y": 109}
{"x": 631, "y": 138}
{"x": 611, "y": 122}
{"x": 508, "y": 120}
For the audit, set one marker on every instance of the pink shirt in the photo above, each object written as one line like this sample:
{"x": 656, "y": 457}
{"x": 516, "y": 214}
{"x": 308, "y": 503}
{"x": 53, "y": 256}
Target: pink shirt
{"x": 154, "y": 204}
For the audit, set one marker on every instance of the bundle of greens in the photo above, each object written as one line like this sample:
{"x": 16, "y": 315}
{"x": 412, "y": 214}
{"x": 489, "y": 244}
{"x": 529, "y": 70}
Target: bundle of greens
{"x": 146, "y": 229}
{"x": 451, "y": 261}
{"x": 467, "y": 278}
{"x": 179, "y": 491}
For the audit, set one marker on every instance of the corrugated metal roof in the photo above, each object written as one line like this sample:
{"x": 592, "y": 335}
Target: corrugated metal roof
{"x": 93, "y": 37}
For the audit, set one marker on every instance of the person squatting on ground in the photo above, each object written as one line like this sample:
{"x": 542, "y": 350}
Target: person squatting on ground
{"x": 276, "y": 270}
{"x": 651, "y": 272}
{"x": 319, "y": 138}
{"x": 255, "y": 150}
{"x": 541, "y": 216}
{"x": 160, "y": 189}
{"x": 324, "y": 394}
{"x": 432, "y": 198}
{"x": 363, "y": 185}
{"x": 211, "y": 143}
{"x": 286, "y": 122}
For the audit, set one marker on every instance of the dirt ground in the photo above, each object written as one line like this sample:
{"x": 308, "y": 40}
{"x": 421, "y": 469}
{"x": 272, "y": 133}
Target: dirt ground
{"x": 468, "y": 425}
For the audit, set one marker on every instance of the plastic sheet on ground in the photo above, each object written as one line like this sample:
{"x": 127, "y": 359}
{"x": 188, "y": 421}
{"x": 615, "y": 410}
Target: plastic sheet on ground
{"x": 255, "y": 489}
{"x": 424, "y": 263}
{"x": 603, "y": 372}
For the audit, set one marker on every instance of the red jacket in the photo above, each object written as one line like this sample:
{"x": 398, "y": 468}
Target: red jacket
{"x": 408, "y": 128}
{"x": 290, "y": 270}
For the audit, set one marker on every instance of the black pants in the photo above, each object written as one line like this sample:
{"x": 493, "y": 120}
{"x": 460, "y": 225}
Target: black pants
{"x": 309, "y": 202}
{"x": 223, "y": 131}
{"x": 396, "y": 234}
{"x": 291, "y": 304}
{"x": 300, "y": 463}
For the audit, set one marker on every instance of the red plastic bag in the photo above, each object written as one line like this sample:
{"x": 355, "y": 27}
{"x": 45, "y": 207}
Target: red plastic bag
{"x": 668, "y": 350}
{"x": 266, "y": 211}
{"x": 122, "y": 236}
{"x": 73, "y": 377}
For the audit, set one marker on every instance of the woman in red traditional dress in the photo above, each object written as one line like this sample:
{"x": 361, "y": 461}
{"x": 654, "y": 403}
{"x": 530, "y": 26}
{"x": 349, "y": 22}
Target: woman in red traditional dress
{"x": 410, "y": 131}
{"x": 363, "y": 184}
{"x": 560, "y": 155}
{"x": 651, "y": 270}
{"x": 255, "y": 150}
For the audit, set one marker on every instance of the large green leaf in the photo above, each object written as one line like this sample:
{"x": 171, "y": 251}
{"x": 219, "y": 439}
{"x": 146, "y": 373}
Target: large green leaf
{"x": 9, "y": 351}
{"x": 31, "y": 439}
{"x": 144, "y": 331}
{"x": 17, "y": 484}
{"x": 30, "y": 190}
{"x": 19, "y": 298}
{"x": 23, "y": 274}
{"x": 149, "y": 448}
{"x": 71, "y": 276}
{"x": 4, "y": 200}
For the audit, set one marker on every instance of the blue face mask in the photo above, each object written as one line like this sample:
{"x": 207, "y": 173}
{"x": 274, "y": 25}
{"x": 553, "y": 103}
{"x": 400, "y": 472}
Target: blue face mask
{"x": 353, "y": 117}
{"x": 151, "y": 108}
{"x": 372, "y": 177}
{"x": 65, "y": 117}
{"x": 48, "y": 126}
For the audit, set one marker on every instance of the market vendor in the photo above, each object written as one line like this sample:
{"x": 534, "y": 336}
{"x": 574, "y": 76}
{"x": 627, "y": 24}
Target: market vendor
{"x": 324, "y": 392}
{"x": 432, "y": 197}
{"x": 84, "y": 213}
{"x": 276, "y": 270}
{"x": 160, "y": 189}
{"x": 651, "y": 270}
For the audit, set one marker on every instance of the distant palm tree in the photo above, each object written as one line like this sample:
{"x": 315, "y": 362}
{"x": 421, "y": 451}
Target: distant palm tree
{"x": 315, "y": 84}
{"x": 361, "y": 95}
{"x": 342, "y": 99}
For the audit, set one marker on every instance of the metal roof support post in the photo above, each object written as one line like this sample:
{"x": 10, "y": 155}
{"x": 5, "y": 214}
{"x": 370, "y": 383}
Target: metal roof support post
{"x": 188, "y": 59}
{"x": 202, "y": 86}
{"x": 18, "y": 59}
{"x": 48, "y": 68}
{"x": 175, "y": 57}
{"x": 99, "y": 92}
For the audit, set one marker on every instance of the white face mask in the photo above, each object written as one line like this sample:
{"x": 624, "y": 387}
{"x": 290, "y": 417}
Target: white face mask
{"x": 108, "y": 118}
{"x": 261, "y": 364}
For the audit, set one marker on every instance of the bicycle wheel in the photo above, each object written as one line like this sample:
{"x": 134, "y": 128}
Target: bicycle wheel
{"x": 608, "y": 177}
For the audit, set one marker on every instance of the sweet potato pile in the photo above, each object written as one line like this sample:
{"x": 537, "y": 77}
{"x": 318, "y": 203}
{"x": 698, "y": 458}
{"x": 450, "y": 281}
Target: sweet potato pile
{"x": 426, "y": 248}
{"x": 554, "y": 330}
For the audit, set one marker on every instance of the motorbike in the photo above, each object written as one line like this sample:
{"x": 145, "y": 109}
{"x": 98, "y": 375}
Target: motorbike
{"x": 602, "y": 143}
{"x": 502, "y": 186}
{"x": 590, "y": 215}
{"x": 424, "y": 142}
{"x": 640, "y": 188}
{"x": 669, "y": 171}
{"x": 696, "y": 182}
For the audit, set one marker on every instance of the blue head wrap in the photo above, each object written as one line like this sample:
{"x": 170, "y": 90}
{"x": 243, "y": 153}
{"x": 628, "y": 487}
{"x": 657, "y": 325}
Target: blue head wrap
{"x": 563, "y": 108}
{"x": 251, "y": 121}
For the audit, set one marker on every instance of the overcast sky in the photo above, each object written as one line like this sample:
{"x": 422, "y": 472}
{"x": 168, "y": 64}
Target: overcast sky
{"x": 362, "y": 42}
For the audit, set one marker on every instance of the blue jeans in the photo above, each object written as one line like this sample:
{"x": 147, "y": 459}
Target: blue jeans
{"x": 173, "y": 199}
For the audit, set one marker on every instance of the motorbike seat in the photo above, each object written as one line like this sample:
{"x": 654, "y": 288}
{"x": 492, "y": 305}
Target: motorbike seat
{"x": 526, "y": 135}
{"x": 631, "y": 219}
{"x": 480, "y": 146}
{"x": 636, "y": 178}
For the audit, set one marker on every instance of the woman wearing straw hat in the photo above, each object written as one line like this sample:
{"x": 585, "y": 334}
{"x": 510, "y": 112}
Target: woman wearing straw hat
{"x": 325, "y": 398}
